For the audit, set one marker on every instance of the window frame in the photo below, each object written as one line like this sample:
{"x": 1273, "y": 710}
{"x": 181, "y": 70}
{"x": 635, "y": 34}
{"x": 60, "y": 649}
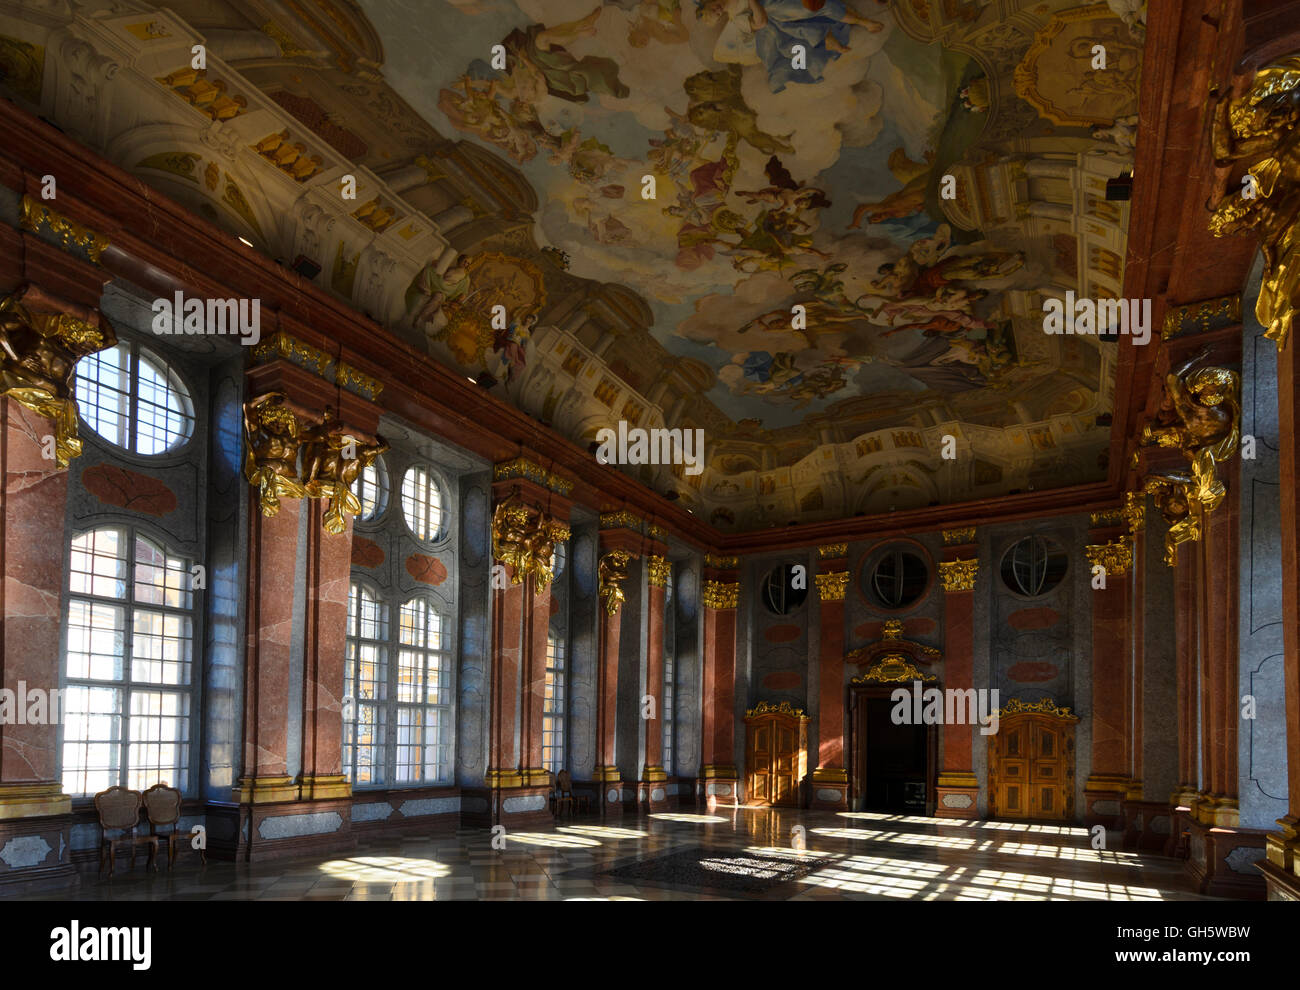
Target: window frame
{"x": 555, "y": 710}
{"x": 439, "y": 485}
{"x": 169, "y": 370}
{"x": 126, "y": 685}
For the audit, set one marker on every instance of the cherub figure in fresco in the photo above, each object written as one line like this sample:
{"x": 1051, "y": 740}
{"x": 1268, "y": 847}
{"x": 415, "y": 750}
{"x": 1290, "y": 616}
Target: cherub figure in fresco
{"x": 774, "y": 237}
{"x": 716, "y": 105}
{"x": 764, "y": 32}
{"x": 921, "y": 273}
{"x": 656, "y": 20}
{"x": 511, "y": 344}
{"x": 474, "y": 109}
{"x": 783, "y": 192}
{"x": 567, "y": 76}
{"x": 431, "y": 289}
{"x": 905, "y": 202}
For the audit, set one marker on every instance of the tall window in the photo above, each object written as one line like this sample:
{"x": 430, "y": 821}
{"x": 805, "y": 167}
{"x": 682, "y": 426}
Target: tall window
{"x": 553, "y": 707}
{"x": 128, "y": 664}
{"x": 422, "y": 504}
{"x": 670, "y": 676}
{"x": 397, "y": 716}
{"x": 365, "y": 678}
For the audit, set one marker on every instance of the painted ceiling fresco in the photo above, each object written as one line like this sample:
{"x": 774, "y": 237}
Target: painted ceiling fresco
{"x": 797, "y": 240}
{"x": 822, "y": 232}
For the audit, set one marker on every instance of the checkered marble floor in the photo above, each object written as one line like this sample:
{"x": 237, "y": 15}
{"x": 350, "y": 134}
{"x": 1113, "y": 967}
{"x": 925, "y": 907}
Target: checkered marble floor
{"x": 855, "y": 856}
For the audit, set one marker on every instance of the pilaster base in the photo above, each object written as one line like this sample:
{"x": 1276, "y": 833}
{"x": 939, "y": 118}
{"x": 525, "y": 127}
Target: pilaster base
{"x": 1147, "y": 824}
{"x": 957, "y": 795}
{"x": 719, "y": 781}
{"x": 608, "y": 789}
{"x": 36, "y": 854}
{"x": 829, "y": 789}
{"x": 33, "y": 800}
{"x": 324, "y": 787}
{"x": 1224, "y": 862}
{"x": 1281, "y": 867}
{"x": 652, "y": 791}
{"x": 267, "y": 830}
{"x": 266, "y": 790}
{"x": 522, "y": 806}
{"x": 1103, "y": 801}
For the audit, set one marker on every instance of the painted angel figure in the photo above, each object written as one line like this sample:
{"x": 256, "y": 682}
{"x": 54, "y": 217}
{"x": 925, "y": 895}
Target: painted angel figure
{"x": 511, "y": 344}
{"x": 430, "y": 290}
{"x": 766, "y": 32}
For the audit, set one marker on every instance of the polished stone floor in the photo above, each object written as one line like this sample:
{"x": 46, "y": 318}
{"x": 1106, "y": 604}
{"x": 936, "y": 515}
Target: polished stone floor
{"x": 754, "y": 853}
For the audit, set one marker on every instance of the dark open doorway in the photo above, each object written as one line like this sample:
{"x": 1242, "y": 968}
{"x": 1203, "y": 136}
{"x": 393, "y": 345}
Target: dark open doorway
{"x": 893, "y": 765}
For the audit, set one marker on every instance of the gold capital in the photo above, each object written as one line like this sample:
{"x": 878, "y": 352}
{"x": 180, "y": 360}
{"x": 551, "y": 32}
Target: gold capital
{"x": 959, "y": 575}
{"x": 1115, "y": 556}
{"x": 660, "y": 571}
{"x": 831, "y": 587}
{"x": 720, "y": 595}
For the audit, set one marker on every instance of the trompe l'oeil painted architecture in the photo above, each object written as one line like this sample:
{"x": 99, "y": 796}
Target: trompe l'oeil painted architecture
{"x": 327, "y": 334}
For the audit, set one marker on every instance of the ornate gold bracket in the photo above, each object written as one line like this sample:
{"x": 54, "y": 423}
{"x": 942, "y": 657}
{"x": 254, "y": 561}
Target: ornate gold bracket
{"x": 333, "y": 458}
{"x": 39, "y": 350}
{"x": 1262, "y": 126}
{"x": 613, "y": 572}
{"x": 524, "y": 537}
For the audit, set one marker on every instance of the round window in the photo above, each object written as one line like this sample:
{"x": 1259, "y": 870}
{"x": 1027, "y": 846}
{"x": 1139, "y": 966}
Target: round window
{"x": 422, "y": 503}
{"x": 897, "y": 578}
{"x": 779, "y": 592}
{"x": 1033, "y": 566}
{"x": 134, "y": 400}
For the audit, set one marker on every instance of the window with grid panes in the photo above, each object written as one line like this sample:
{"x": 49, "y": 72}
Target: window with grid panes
{"x": 134, "y": 399}
{"x": 397, "y": 708}
{"x": 670, "y": 678}
{"x": 553, "y": 707}
{"x": 128, "y": 664}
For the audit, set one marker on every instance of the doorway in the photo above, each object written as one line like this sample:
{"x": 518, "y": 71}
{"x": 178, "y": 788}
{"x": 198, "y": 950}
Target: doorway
{"x": 893, "y": 765}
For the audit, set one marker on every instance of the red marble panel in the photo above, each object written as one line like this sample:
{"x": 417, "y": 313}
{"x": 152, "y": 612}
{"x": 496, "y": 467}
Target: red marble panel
{"x": 1033, "y": 618}
{"x": 32, "y": 509}
{"x": 425, "y": 569}
{"x": 366, "y": 553}
{"x": 329, "y": 569}
{"x": 1031, "y": 671}
{"x": 127, "y": 489}
{"x": 782, "y": 680}
{"x": 782, "y": 633}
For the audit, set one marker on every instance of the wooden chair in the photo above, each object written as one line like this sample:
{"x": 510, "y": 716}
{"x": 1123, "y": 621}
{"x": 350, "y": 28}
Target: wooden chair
{"x": 558, "y": 796}
{"x": 565, "y": 790}
{"x": 119, "y": 811}
{"x": 162, "y": 806}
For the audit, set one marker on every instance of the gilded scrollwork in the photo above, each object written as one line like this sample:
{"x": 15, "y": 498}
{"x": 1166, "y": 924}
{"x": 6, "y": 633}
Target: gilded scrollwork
{"x": 1116, "y": 556}
{"x": 272, "y": 438}
{"x": 39, "y": 350}
{"x": 660, "y": 571}
{"x": 332, "y": 460}
{"x": 1262, "y": 126}
{"x": 720, "y": 594}
{"x": 833, "y": 586}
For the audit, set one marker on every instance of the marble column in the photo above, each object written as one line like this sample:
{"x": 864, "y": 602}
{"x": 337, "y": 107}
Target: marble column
{"x": 1282, "y": 867}
{"x": 652, "y": 792}
{"x": 38, "y": 440}
{"x": 1110, "y": 560}
{"x": 329, "y": 574}
{"x": 720, "y": 596}
{"x": 536, "y": 624}
{"x": 830, "y": 776}
{"x": 957, "y": 788}
{"x": 618, "y": 551}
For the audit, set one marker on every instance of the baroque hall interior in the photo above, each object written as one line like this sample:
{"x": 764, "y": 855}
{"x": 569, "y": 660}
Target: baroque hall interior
{"x": 774, "y": 449}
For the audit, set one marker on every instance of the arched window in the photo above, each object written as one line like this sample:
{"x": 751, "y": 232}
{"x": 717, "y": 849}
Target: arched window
{"x": 898, "y": 578}
{"x": 128, "y": 663}
{"x": 422, "y": 504}
{"x": 553, "y": 706}
{"x": 1033, "y": 566}
{"x": 781, "y": 592}
{"x": 134, "y": 400}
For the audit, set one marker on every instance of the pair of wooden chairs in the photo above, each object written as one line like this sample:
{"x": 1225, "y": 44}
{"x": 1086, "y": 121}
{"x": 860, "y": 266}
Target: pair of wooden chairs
{"x": 119, "y": 812}
{"x": 562, "y": 793}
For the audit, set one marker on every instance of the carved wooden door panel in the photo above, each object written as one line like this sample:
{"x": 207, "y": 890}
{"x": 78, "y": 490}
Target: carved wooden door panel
{"x": 1031, "y": 764}
{"x": 776, "y": 754}
{"x": 759, "y": 763}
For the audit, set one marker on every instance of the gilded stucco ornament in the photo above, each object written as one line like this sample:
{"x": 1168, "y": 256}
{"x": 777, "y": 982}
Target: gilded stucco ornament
{"x": 272, "y": 437}
{"x": 613, "y": 572}
{"x": 1043, "y": 706}
{"x": 893, "y": 668}
{"x": 332, "y": 460}
{"x": 1203, "y": 421}
{"x": 771, "y": 708}
{"x": 660, "y": 571}
{"x": 720, "y": 594}
{"x": 832, "y": 587}
{"x": 959, "y": 575}
{"x": 1115, "y": 556}
{"x": 39, "y": 351}
{"x": 1135, "y": 512}
{"x": 524, "y": 537}
{"x": 1262, "y": 126}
